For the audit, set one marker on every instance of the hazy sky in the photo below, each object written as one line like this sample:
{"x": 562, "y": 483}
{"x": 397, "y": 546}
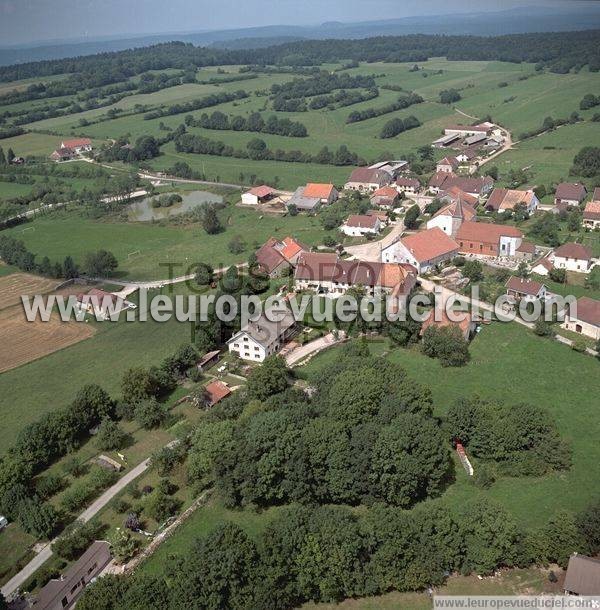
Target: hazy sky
{"x": 43, "y": 20}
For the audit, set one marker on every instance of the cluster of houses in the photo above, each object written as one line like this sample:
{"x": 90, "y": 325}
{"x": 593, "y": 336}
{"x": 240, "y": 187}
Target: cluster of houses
{"x": 70, "y": 149}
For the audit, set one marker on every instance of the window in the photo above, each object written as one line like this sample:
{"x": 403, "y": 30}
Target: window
{"x": 92, "y": 568}
{"x": 64, "y": 602}
{"x": 74, "y": 587}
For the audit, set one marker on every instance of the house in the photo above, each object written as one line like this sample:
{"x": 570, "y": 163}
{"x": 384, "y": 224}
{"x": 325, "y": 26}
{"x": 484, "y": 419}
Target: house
{"x": 367, "y": 179}
{"x": 454, "y": 194}
{"x": 463, "y": 131}
{"x": 591, "y": 214}
{"x": 583, "y": 576}
{"x": 543, "y": 266}
{"x": 332, "y": 276}
{"x": 326, "y": 193}
{"x": 258, "y": 194}
{"x": 62, "y": 593}
{"x": 569, "y": 194}
{"x": 525, "y": 289}
{"x": 477, "y": 187}
{"x": 100, "y": 303}
{"x": 361, "y": 224}
{"x": 215, "y": 391}
{"x": 585, "y": 319}
{"x": 437, "y": 181}
{"x": 464, "y": 322}
{"x": 263, "y": 337}
{"x": 422, "y": 250}
{"x": 78, "y": 145}
{"x": 488, "y": 239}
{"x": 303, "y": 203}
{"x": 451, "y": 216}
{"x": 275, "y": 256}
{"x": 447, "y": 165}
{"x": 209, "y": 359}
{"x": 408, "y": 186}
{"x": 502, "y": 200}
{"x": 572, "y": 257}
{"x": 62, "y": 154}
{"x": 385, "y": 197}
{"x": 382, "y": 216}
{"x": 467, "y": 155}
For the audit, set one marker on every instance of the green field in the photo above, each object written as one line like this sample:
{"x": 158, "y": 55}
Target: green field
{"x": 511, "y": 364}
{"x": 142, "y": 247}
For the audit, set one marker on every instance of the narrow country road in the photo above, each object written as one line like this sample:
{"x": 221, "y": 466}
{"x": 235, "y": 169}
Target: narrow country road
{"x": 371, "y": 251}
{"x": 16, "y": 581}
{"x": 312, "y": 348}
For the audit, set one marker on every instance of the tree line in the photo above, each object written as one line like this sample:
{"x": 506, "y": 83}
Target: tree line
{"x": 257, "y": 149}
{"x": 254, "y": 123}
{"x": 214, "y": 99}
{"x": 396, "y": 126}
{"x": 404, "y": 101}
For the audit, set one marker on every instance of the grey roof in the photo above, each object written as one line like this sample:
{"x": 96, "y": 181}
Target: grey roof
{"x": 583, "y": 575}
{"x": 265, "y": 331}
{"x": 301, "y": 202}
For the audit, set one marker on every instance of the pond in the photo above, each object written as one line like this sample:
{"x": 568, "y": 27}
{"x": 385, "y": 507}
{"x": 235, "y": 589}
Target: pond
{"x": 142, "y": 210}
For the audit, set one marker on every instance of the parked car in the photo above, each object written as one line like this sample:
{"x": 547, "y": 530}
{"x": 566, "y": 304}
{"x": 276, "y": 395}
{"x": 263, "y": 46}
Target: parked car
{"x": 3, "y": 522}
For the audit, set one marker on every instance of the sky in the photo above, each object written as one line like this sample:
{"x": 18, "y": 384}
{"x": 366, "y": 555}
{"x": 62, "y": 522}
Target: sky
{"x": 24, "y": 21}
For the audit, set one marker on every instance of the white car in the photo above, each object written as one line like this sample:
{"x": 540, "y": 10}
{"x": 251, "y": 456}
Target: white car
{"x": 3, "y": 522}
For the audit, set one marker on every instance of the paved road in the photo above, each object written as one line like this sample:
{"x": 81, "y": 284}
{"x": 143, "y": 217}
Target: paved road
{"x": 16, "y": 581}
{"x": 312, "y": 348}
{"x": 371, "y": 251}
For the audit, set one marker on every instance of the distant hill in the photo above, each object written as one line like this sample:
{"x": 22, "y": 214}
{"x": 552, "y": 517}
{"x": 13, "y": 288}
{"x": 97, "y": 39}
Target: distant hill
{"x": 512, "y": 21}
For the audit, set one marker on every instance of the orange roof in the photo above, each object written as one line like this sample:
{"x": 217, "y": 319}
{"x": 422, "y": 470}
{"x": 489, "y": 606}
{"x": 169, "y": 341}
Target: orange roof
{"x": 316, "y": 190}
{"x": 261, "y": 191}
{"x": 429, "y": 244}
{"x": 76, "y": 142}
{"x": 457, "y": 209}
{"x": 443, "y": 321}
{"x": 385, "y": 191}
{"x": 291, "y": 247}
{"x": 390, "y": 275}
{"x": 592, "y": 209}
{"x": 486, "y": 232}
{"x": 216, "y": 391}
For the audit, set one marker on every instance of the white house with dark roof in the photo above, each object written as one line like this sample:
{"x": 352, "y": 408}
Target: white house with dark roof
{"x": 368, "y": 179}
{"x": 584, "y": 319}
{"x": 525, "y": 289}
{"x": 358, "y": 225}
{"x": 263, "y": 337}
{"x": 572, "y": 257}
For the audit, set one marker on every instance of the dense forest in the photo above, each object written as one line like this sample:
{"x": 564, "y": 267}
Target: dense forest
{"x": 559, "y": 52}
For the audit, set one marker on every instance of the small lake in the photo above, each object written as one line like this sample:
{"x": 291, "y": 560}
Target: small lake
{"x": 142, "y": 209}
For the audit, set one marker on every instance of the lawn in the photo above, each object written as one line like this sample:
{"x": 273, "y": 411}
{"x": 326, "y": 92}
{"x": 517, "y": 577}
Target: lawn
{"x": 142, "y": 247}
{"x": 511, "y": 364}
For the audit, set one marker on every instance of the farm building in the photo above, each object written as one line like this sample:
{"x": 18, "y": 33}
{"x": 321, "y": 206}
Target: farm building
{"x": 584, "y": 318}
{"x": 275, "y": 256}
{"x": 258, "y": 194}
{"x": 78, "y": 145}
{"x": 422, "y": 250}
{"x": 464, "y": 131}
{"x": 361, "y": 224}
{"x": 62, "y": 154}
{"x": 326, "y": 193}
{"x": 367, "y": 179}
{"x": 447, "y": 165}
{"x": 446, "y": 141}
{"x": 216, "y": 391}
{"x": 209, "y": 359}
{"x": 263, "y": 337}
{"x": 488, "y": 239}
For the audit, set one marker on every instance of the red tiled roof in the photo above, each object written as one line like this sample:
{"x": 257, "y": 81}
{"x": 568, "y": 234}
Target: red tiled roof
{"x": 573, "y": 250}
{"x": 76, "y": 142}
{"x": 456, "y": 194}
{"x": 452, "y": 161}
{"x": 261, "y": 191}
{"x": 428, "y": 245}
{"x": 268, "y": 257}
{"x": 216, "y": 391}
{"x": 444, "y": 320}
{"x": 526, "y": 247}
{"x": 523, "y": 286}
{"x": 486, "y": 232}
{"x": 572, "y": 191}
{"x": 468, "y": 185}
{"x": 403, "y": 181}
{"x": 588, "y": 310}
{"x": 370, "y": 175}
{"x": 439, "y": 178}
{"x": 385, "y": 191}
{"x": 291, "y": 247}
{"x": 318, "y": 191}
{"x": 95, "y": 296}
{"x": 592, "y": 209}
{"x": 362, "y": 221}
{"x": 457, "y": 209}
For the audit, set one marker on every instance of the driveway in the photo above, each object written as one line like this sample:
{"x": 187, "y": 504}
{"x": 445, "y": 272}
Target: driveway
{"x": 371, "y": 251}
{"x": 16, "y": 581}
{"x": 312, "y": 348}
